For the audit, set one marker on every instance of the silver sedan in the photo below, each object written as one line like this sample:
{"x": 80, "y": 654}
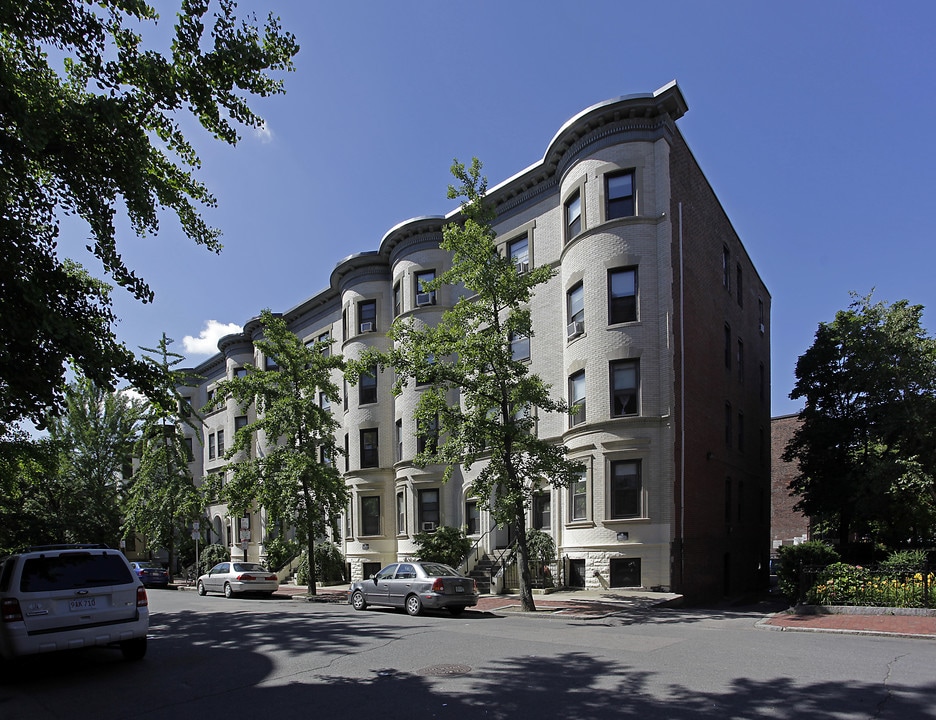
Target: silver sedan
{"x": 415, "y": 586}
{"x": 232, "y": 578}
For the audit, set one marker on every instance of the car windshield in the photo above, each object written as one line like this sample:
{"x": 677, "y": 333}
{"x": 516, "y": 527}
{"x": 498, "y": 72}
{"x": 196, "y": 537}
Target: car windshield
{"x": 149, "y": 565}
{"x": 438, "y": 570}
{"x": 248, "y": 567}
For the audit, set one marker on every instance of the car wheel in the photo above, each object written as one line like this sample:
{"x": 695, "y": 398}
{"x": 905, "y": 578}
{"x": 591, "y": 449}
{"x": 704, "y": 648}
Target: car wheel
{"x": 457, "y": 610}
{"x": 413, "y": 605}
{"x": 133, "y": 649}
{"x": 228, "y": 592}
{"x": 357, "y": 600}
{"x": 201, "y": 588}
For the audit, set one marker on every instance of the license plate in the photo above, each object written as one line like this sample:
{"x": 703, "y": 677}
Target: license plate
{"x": 459, "y": 588}
{"x": 81, "y": 604}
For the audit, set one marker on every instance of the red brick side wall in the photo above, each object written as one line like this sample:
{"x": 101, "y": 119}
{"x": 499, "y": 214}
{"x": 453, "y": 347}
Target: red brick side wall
{"x": 725, "y": 533}
{"x": 785, "y": 522}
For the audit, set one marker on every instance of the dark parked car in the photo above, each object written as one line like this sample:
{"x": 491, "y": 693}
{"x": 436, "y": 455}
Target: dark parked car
{"x": 414, "y": 586}
{"x": 151, "y": 574}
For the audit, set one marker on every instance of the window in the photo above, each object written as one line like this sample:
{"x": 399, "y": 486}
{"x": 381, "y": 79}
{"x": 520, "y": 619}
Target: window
{"x": 189, "y": 449}
{"x": 367, "y": 316}
{"x": 370, "y": 515}
{"x": 519, "y": 347}
{"x": 240, "y": 372}
{"x": 270, "y": 364}
{"x": 622, "y": 300}
{"x": 575, "y": 301}
{"x": 573, "y": 215}
{"x": 368, "y": 386}
{"x": 324, "y": 458}
{"x": 428, "y": 436}
{"x": 542, "y": 510}
{"x": 220, "y": 443}
{"x": 397, "y": 300}
{"x": 741, "y": 431}
{"x": 728, "y": 424}
{"x": 578, "y": 499}
{"x": 625, "y": 489}
{"x": 577, "y": 397}
{"x": 726, "y": 268}
{"x": 325, "y": 339}
{"x": 518, "y": 250}
{"x": 624, "y": 386}
{"x": 211, "y": 446}
{"x": 472, "y": 518}
{"x": 185, "y": 406}
{"x": 429, "y": 517}
{"x": 369, "y": 450}
{"x": 344, "y": 395}
{"x": 324, "y": 402}
{"x": 424, "y": 296}
{"x": 344, "y": 323}
{"x": 347, "y": 453}
{"x": 348, "y": 524}
{"x": 760, "y": 315}
{"x": 727, "y": 346}
{"x": 399, "y": 440}
{"x": 400, "y": 513}
{"x": 740, "y": 360}
{"x": 761, "y": 381}
{"x": 739, "y": 286}
{"x": 619, "y": 194}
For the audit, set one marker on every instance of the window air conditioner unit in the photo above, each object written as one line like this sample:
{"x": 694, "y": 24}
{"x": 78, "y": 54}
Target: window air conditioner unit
{"x": 428, "y": 526}
{"x": 523, "y": 267}
{"x": 423, "y": 299}
{"x": 575, "y": 329}
{"x": 367, "y": 327}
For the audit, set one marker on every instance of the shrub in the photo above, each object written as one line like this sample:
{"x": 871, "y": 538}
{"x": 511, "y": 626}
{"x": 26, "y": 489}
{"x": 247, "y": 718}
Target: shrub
{"x": 279, "y": 552}
{"x": 840, "y": 584}
{"x": 211, "y": 556}
{"x": 329, "y": 564}
{"x": 795, "y": 557}
{"x": 445, "y": 545}
{"x": 905, "y": 561}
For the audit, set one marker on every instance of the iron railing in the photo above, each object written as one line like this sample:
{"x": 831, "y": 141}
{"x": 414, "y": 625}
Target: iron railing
{"x": 867, "y": 587}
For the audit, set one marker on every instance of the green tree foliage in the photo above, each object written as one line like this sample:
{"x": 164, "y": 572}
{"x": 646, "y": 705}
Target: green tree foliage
{"x": 480, "y": 402}
{"x": 866, "y": 446}
{"x": 92, "y": 116}
{"x": 67, "y": 487}
{"x": 32, "y": 493}
{"x": 329, "y": 564}
{"x": 446, "y": 545}
{"x": 295, "y": 478}
{"x": 162, "y": 499}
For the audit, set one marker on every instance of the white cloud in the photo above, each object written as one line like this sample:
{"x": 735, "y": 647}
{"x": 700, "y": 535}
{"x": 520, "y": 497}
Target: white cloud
{"x": 263, "y": 133}
{"x": 207, "y": 341}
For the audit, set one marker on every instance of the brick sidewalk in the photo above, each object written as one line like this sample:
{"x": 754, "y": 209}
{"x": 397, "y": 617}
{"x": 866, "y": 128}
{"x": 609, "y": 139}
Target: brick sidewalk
{"x": 904, "y": 625}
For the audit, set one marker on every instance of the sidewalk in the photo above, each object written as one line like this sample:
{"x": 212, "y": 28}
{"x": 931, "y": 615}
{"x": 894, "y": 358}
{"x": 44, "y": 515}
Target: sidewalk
{"x": 596, "y": 604}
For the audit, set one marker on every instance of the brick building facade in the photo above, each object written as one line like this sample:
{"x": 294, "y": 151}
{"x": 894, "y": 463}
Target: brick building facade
{"x": 787, "y": 526}
{"x": 656, "y": 319}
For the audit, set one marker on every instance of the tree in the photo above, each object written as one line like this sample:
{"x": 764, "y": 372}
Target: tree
{"x": 866, "y": 445}
{"x": 446, "y": 545}
{"x": 92, "y": 116}
{"x": 480, "y": 402}
{"x": 31, "y": 492}
{"x": 162, "y": 499}
{"x": 294, "y": 478}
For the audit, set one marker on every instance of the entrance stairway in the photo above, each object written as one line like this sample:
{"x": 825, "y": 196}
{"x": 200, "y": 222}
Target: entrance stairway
{"x": 481, "y": 574}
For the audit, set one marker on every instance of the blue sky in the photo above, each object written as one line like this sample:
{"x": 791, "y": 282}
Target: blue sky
{"x": 812, "y": 121}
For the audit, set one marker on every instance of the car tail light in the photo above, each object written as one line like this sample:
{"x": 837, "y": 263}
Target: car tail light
{"x": 245, "y": 578}
{"x": 438, "y": 585}
{"x": 142, "y": 600}
{"x": 271, "y": 577}
{"x": 11, "y": 610}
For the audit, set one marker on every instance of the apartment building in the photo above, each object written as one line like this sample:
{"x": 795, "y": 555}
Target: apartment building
{"x": 656, "y": 323}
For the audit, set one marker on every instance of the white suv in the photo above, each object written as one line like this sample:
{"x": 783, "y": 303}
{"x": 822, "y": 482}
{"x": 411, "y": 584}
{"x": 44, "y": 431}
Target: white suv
{"x": 62, "y": 597}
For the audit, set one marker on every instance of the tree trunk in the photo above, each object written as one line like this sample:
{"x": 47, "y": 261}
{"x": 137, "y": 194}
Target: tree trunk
{"x": 310, "y": 541}
{"x": 523, "y": 561}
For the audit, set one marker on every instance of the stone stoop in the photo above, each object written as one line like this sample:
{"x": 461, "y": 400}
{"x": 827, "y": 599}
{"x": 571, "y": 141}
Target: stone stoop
{"x": 481, "y": 574}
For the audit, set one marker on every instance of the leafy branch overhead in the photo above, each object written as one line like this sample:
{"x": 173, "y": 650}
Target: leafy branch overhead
{"x": 92, "y": 117}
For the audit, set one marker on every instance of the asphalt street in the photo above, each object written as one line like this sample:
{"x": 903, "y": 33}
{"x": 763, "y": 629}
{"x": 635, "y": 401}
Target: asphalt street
{"x": 252, "y": 658}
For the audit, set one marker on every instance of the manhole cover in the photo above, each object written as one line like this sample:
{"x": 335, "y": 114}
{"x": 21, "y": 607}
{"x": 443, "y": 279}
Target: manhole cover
{"x": 444, "y": 670}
